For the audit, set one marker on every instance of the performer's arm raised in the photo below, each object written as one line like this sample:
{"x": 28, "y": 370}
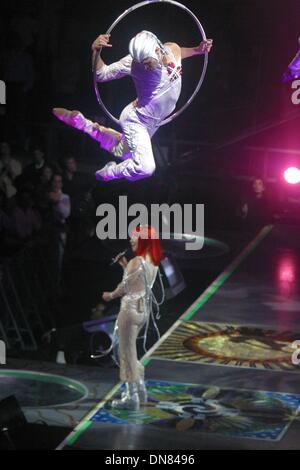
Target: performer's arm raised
{"x": 204, "y": 46}
{"x": 101, "y": 41}
{"x": 114, "y": 71}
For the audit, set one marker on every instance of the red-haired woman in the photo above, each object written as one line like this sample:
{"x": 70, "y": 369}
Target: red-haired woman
{"x": 135, "y": 289}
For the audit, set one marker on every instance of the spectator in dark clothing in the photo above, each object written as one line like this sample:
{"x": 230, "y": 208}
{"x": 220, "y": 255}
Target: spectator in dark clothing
{"x": 10, "y": 170}
{"x": 61, "y": 208}
{"x": 76, "y": 184}
{"x": 26, "y": 220}
{"x": 255, "y": 209}
{"x": 32, "y": 172}
{"x": 42, "y": 198}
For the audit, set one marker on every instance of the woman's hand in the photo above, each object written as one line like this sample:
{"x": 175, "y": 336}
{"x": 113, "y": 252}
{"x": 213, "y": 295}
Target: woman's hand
{"x": 123, "y": 262}
{"x": 101, "y": 41}
{"x": 107, "y": 296}
{"x": 205, "y": 46}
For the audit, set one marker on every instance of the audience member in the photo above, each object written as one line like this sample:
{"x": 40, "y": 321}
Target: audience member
{"x": 61, "y": 206}
{"x": 32, "y": 172}
{"x": 10, "y": 169}
{"x": 255, "y": 208}
{"x": 26, "y": 220}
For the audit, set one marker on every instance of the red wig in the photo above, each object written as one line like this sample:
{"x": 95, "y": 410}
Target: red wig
{"x": 148, "y": 243}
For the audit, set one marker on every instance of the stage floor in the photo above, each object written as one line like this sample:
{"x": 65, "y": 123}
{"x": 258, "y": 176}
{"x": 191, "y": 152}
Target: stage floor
{"x": 222, "y": 377}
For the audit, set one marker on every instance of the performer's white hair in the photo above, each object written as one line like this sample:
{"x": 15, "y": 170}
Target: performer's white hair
{"x": 144, "y": 45}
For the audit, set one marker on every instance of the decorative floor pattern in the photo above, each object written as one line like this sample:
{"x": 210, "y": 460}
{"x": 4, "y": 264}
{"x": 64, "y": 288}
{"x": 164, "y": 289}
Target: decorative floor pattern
{"x": 196, "y": 408}
{"x": 230, "y": 345}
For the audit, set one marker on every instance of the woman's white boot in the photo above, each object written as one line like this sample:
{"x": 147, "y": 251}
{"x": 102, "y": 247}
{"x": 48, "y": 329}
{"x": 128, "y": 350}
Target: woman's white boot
{"x": 130, "y": 399}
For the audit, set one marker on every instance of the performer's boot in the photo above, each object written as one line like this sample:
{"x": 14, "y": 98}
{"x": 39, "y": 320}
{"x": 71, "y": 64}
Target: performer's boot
{"x": 71, "y": 118}
{"x": 130, "y": 400}
{"x": 126, "y": 169}
{"x": 108, "y": 138}
{"x": 108, "y": 173}
{"x": 142, "y": 391}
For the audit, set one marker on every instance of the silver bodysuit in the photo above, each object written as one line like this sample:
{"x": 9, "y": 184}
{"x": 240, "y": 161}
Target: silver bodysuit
{"x": 158, "y": 91}
{"x": 135, "y": 290}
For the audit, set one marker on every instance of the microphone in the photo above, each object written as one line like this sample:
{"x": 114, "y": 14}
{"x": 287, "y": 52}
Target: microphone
{"x": 118, "y": 257}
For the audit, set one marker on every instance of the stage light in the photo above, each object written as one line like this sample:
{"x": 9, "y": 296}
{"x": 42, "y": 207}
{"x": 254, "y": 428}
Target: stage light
{"x": 292, "y": 175}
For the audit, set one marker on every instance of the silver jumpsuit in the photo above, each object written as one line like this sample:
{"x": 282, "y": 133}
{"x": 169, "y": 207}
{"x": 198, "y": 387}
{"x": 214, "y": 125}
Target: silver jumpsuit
{"x": 135, "y": 290}
{"x": 158, "y": 91}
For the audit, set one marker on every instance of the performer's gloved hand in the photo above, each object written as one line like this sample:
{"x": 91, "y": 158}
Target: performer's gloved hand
{"x": 101, "y": 41}
{"x": 205, "y": 46}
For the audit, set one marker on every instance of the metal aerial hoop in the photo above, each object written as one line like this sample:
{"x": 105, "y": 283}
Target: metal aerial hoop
{"x": 112, "y": 27}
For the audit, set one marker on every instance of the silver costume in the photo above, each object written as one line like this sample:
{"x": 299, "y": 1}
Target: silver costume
{"x": 135, "y": 312}
{"x": 158, "y": 91}
{"x": 137, "y": 308}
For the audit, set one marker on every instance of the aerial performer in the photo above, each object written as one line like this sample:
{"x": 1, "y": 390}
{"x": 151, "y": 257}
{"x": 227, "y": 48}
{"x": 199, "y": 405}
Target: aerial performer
{"x": 156, "y": 71}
